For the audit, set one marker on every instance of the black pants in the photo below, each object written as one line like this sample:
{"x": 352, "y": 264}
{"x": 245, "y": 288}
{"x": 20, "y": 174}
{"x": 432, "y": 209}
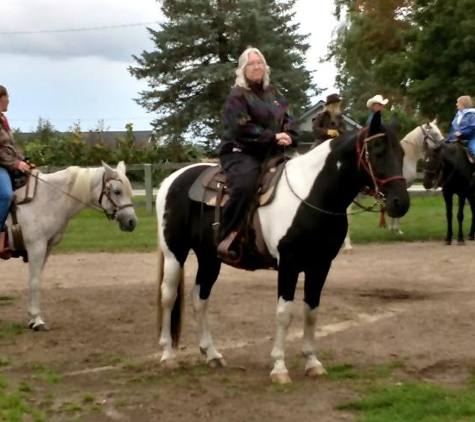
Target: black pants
{"x": 242, "y": 172}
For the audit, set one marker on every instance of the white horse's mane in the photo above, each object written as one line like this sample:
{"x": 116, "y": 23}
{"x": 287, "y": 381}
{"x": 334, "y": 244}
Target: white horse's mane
{"x": 79, "y": 184}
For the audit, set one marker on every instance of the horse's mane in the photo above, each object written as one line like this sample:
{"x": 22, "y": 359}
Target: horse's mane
{"x": 79, "y": 182}
{"x": 412, "y": 135}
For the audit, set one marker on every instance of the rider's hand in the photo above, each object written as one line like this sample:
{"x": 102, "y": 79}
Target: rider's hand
{"x": 333, "y": 133}
{"x": 23, "y": 167}
{"x": 458, "y": 134}
{"x": 283, "y": 139}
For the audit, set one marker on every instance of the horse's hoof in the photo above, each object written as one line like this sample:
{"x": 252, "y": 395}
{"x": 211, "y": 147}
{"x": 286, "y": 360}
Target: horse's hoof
{"x": 280, "y": 378}
{"x": 315, "y": 371}
{"x": 38, "y": 327}
{"x": 461, "y": 242}
{"x": 448, "y": 242}
{"x": 217, "y": 363}
{"x": 471, "y": 238}
{"x": 348, "y": 250}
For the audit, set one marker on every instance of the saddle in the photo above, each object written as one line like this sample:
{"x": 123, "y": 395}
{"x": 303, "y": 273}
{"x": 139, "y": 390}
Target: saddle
{"x": 210, "y": 188}
{"x": 11, "y": 239}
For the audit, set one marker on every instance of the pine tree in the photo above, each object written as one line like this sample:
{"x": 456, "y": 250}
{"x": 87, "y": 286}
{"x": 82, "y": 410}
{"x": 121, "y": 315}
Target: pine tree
{"x": 191, "y": 70}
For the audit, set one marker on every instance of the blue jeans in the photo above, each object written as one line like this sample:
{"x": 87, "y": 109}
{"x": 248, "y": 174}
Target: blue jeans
{"x": 471, "y": 146}
{"x": 6, "y": 194}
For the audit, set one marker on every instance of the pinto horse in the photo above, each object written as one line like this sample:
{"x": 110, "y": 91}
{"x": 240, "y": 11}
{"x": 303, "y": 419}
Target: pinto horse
{"x": 303, "y": 228}
{"x": 59, "y": 196}
{"x": 447, "y": 166}
{"x": 414, "y": 144}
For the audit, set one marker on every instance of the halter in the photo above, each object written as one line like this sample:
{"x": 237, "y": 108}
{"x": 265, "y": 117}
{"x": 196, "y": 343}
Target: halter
{"x": 362, "y": 156}
{"x": 106, "y": 192}
{"x": 427, "y": 137}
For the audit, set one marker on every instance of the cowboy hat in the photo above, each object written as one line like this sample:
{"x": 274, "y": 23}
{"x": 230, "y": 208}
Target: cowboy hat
{"x": 333, "y": 98}
{"x": 377, "y": 99}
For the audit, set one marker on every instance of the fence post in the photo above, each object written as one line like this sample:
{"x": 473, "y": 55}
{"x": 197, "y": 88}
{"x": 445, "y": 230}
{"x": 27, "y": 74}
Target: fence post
{"x": 148, "y": 188}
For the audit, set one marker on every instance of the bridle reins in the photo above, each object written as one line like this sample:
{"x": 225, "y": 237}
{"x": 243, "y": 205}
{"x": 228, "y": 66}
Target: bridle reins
{"x": 362, "y": 157}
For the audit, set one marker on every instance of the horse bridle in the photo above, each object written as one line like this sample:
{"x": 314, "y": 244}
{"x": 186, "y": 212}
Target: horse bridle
{"x": 427, "y": 137}
{"x": 362, "y": 156}
{"x": 106, "y": 192}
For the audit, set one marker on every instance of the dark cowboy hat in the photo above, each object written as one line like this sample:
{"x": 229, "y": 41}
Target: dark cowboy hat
{"x": 333, "y": 98}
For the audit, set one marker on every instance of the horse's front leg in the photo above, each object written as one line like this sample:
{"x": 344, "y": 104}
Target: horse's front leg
{"x": 287, "y": 280}
{"x": 394, "y": 226}
{"x": 460, "y": 238}
{"x": 208, "y": 270}
{"x": 315, "y": 276}
{"x": 448, "y": 198}
{"x": 37, "y": 256}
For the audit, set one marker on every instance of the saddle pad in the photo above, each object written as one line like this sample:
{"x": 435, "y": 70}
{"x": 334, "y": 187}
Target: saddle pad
{"x": 27, "y": 192}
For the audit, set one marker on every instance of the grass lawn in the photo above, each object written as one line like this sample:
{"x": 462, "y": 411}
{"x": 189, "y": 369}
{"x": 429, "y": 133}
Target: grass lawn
{"x": 91, "y": 231}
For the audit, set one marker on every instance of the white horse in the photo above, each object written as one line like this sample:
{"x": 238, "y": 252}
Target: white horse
{"x": 414, "y": 143}
{"x": 60, "y": 196}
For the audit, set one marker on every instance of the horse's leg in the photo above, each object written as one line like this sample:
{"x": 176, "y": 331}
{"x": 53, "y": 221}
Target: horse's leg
{"x": 395, "y": 226}
{"x": 471, "y": 201}
{"x": 208, "y": 270}
{"x": 460, "y": 238}
{"x": 37, "y": 255}
{"x": 347, "y": 243}
{"x": 287, "y": 280}
{"x": 315, "y": 276}
{"x": 170, "y": 296}
{"x": 448, "y": 198}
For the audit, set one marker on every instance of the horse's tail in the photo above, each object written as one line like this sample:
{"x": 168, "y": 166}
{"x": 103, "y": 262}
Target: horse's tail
{"x": 178, "y": 306}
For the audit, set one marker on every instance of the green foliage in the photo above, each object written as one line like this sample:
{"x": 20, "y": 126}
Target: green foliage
{"x": 419, "y": 53}
{"x": 191, "y": 68}
{"x": 50, "y": 147}
{"x": 13, "y": 406}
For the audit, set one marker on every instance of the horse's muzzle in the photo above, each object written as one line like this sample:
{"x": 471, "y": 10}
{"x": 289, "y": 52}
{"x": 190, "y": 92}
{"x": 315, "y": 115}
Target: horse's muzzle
{"x": 397, "y": 203}
{"x": 127, "y": 223}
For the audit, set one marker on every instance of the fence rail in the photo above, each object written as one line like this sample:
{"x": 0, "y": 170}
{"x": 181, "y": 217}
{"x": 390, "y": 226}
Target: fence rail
{"x": 148, "y": 170}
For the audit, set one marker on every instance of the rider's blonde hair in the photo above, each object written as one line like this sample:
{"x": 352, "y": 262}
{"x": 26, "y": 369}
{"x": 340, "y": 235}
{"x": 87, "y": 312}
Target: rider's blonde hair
{"x": 466, "y": 101}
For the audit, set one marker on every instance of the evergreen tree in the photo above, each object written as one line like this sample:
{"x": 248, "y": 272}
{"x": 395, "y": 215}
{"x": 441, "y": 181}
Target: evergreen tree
{"x": 191, "y": 70}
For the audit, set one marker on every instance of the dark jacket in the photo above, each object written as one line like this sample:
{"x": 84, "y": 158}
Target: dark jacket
{"x": 9, "y": 155}
{"x": 252, "y": 118}
{"x": 323, "y": 122}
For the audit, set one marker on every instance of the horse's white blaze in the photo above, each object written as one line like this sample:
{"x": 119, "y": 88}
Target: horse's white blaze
{"x": 338, "y": 165}
{"x": 284, "y": 318}
{"x": 200, "y": 308}
{"x": 302, "y": 170}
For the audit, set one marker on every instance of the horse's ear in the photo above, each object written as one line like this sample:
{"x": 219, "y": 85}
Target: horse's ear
{"x": 121, "y": 167}
{"x": 394, "y": 124}
{"x": 109, "y": 171}
{"x": 375, "y": 124}
{"x": 434, "y": 121}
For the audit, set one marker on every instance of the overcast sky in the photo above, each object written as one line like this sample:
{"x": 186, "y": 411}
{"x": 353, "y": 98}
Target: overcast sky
{"x": 72, "y": 76}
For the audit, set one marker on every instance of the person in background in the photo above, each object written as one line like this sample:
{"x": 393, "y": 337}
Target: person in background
{"x": 257, "y": 126}
{"x": 375, "y": 104}
{"x": 463, "y": 124}
{"x": 329, "y": 123}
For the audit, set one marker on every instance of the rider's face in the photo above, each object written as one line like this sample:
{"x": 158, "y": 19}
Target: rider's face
{"x": 255, "y": 68}
{"x": 4, "y": 101}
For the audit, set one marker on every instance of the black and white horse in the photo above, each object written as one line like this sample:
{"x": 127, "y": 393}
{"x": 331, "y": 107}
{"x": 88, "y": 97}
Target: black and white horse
{"x": 303, "y": 228}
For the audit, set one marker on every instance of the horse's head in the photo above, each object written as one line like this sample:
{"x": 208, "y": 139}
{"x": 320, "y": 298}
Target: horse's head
{"x": 432, "y": 167}
{"x": 116, "y": 197}
{"x": 432, "y": 134}
{"x": 381, "y": 155}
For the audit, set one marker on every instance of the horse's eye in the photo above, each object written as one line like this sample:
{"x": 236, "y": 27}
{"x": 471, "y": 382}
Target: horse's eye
{"x": 117, "y": 191}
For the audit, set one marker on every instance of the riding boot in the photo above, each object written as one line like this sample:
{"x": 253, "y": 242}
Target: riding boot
{"x": 230, "y": 248}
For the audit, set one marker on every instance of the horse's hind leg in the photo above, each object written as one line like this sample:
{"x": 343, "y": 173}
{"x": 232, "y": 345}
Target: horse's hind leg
{"x": 460, "y": 238}
{"x": 471, "y": 201}
{"x": 208, "y": 270}
{"x": 37, "y": 256}
{"x": 448, "y": 199}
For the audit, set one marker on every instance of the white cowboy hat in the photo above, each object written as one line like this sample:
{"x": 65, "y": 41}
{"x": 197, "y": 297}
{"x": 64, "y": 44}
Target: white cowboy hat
{"x": 377, "y": 99}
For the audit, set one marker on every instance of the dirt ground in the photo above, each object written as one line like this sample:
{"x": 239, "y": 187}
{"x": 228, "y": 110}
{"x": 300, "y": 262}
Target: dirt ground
{"x": 407, "y": 305}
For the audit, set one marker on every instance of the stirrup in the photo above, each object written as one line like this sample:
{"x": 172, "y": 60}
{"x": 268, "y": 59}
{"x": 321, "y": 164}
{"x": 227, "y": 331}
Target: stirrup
{"x": 226, "y": 253}
{"x": 5, "y": 252}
